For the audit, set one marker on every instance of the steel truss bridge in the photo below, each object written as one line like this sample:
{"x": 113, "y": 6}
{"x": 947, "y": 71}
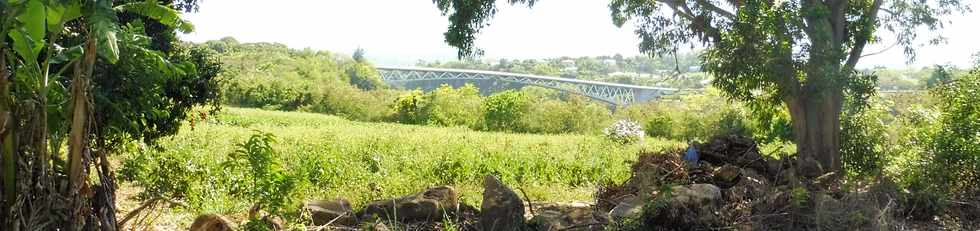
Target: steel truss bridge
{"x": 612, "y": 93}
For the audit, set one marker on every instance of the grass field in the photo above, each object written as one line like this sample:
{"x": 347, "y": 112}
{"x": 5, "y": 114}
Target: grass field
{"x": 368, "y": 161}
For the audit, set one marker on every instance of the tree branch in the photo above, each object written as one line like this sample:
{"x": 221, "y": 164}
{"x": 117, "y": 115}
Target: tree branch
{"x": 132, "y": 214}
{"x": 713, "y": 8}
{"x": 862, "y": 41}
{"x": 881, "y": 51}
{"x": 685, "y": 11}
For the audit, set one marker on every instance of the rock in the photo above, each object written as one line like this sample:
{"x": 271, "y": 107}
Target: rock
{"x": 573, "y": 217}
{"x": 430, "y": 205}
{"x": 274, "y": 222}
{"x": 690, "y": 206}
{"x": 378, "y": 227}
{"x": 630, "y": 208}
{"x": 335, "y": 212}
{"x": 502, "y": 209}
{"x": 750, "y": 186}
{"x": 211, "y": 222}
{"x": 696, "y": 195}
{"x": 726, "y": 176}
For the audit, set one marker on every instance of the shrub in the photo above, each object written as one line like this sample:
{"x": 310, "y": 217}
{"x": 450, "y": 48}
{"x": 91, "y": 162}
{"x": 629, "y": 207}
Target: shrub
{"x": 410, "y": 108}
{"x": 922, "y": 202}
{"x": 533, "y": 110}
{"x": 624, "y": 131}
{"x": 575, "y": 114}
{"x": 258, "y": 176}
{"x": 363, "y": 76}
{"x": 955, "y": 147}
{"x": 447, "y": 106}
{"x": 863, "y": 139}
{"x": 733, "y": 122}
{"x": 504, "y": 110}
{"x": 692, "y": 117}
{"x": 351, "y": 103}
{"x": 660, "y": 126}
{"x": 169, "y": 176}
{"x": 942, "y": 149}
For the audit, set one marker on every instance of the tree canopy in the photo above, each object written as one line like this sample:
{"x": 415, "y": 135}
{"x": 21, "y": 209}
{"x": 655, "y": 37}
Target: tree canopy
{"x": 92, "y": 74}
{"x": 797, "y": 53}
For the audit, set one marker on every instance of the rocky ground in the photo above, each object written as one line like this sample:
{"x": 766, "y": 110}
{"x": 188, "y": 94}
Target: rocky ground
{"x": 731, "y": 187}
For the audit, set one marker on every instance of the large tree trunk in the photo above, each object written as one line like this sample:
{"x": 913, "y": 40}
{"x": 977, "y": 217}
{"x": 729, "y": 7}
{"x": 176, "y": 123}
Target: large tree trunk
{"x": 816, "y": 130}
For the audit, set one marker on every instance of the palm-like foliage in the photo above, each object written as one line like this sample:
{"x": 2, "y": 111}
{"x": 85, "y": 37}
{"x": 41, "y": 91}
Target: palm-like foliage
{"x": 155, "y": 11}
{"x": 35, "y": 28}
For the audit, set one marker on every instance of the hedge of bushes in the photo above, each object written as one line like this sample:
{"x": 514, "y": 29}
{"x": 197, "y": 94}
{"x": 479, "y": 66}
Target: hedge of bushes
{"x": 530, "y": 110}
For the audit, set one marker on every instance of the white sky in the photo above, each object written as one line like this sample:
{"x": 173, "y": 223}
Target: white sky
{"x": 401, "y": 32}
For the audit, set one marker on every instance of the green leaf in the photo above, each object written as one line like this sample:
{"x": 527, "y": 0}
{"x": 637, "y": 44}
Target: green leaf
{"x": 25, "y": 46}
{"x": 103, "y": 28}
{"x": 161, "y": 13}
{"x": 55, "y": 13}
{"x": 14, "y": 2}
{"x": 33, "y": 19}
{"x": 109, "y": 46}
{"x": 66, "y": 55}
{"x": 58, "y": 14}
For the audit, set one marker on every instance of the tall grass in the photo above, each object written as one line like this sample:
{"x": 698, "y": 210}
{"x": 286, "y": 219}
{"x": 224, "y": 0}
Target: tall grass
{"x": 361, "y": 161}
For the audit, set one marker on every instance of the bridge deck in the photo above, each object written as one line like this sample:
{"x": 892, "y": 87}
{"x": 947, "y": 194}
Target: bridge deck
{"x": 559, "y": 79}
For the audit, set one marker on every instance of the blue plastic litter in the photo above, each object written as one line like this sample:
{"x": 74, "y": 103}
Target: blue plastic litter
{"x": 691, "y": 156}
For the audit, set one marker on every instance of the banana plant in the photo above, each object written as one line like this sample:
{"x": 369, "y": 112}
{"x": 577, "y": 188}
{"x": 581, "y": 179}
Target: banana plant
{"x": 34, "y": 27}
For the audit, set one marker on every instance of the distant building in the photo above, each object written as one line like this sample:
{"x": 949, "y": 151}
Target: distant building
{"x": 609, "y": 62}
{"x": 626, "y": 73}
{"x": 568, "y": 65}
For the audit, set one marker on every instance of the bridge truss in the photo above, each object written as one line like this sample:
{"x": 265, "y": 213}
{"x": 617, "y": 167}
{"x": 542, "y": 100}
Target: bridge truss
{"x": 616, "y": 94}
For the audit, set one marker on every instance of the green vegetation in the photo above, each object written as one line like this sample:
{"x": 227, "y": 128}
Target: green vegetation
{"x": 329, "y": 157}
{"x": 793, "y": 64}
{"x": 941, "y": 156}
{"x": 445, "y": 106}
{"x": 695, "y": 117}
{"x": 78, "y": 81}
{"x": 796, "y": 55}
{"x": 86, "y": 84}
{"x": 273, "y": 76}
{"x": 504, "y": 110}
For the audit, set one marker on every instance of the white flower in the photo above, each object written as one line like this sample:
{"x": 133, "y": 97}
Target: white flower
{"x": 624, "y": 131}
